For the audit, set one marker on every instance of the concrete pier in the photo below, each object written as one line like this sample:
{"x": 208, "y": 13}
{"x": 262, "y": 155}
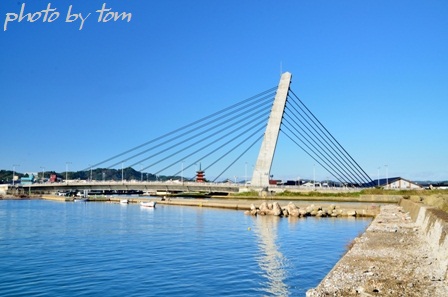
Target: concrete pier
{"x": 402, "y": 253}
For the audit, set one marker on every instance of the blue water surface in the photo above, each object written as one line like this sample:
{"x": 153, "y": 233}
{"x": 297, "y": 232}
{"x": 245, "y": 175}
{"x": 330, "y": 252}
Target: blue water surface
{"x": 104, "y": 249}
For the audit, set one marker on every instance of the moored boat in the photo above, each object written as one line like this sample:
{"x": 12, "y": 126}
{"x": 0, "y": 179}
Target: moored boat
{"x": 148, "y": 203}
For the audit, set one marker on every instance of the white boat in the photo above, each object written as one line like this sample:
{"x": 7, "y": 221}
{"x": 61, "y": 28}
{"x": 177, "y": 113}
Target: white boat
{"x": 81, "y": 199}
{"x": 148, "y": 203}
{"x": 124, "y": 201}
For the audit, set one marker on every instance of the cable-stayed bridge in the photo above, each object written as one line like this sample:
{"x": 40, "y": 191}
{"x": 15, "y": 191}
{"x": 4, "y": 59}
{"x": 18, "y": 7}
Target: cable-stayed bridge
{"x": 221, "y": 139}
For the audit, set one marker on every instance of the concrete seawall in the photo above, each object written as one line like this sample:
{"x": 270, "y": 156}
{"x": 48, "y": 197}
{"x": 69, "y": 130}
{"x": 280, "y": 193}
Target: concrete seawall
{"x": 404, "y": 252}
{"x": 434, "y": 227}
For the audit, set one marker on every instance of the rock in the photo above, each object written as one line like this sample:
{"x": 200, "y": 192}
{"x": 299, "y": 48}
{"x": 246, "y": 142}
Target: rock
{"x": 342, "y": 212}
{"x": 264, "y": 206}
{"x": 310, "y": 208}
{"x": 291, "y": 206}
{"x": 302, "y": 212}
{"x": 351, "y": 213}
{"x": 276, "y": 209}
{"x": 294, "y": 213}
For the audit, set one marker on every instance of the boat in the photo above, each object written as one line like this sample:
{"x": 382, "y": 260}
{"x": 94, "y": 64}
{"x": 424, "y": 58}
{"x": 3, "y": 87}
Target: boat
{"x": 81, "y": 199}
{"x": 124, "y": 201}
{"x": 148, "y": 204}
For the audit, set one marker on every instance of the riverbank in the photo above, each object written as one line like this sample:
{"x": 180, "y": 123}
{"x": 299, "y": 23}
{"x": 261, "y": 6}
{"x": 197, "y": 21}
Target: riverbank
{"x": 402, "y": 253}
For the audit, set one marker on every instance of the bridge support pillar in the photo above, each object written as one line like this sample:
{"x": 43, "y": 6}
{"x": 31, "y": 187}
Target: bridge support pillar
{"x": 261, "y": 174}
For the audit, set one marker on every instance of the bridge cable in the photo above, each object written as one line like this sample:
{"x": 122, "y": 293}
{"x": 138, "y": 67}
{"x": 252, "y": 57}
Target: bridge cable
{"x": 340, "y": 162}
{"x": 321, "y": 156}
{"x": 336, "y": 173}
{"x": 183, "y": 127}
{"x": 201, "y": 133}
{"x": 329, "y": 150}
{"x": 338, "y": 146}
{"x": 239, "y": 157}
{"x": 202, "y": 147}
{"x": 317, "y": 161}
{"x": 195, "y": 129}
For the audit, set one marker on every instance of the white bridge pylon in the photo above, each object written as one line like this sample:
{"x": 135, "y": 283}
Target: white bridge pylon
{"x": 263, "y": 166}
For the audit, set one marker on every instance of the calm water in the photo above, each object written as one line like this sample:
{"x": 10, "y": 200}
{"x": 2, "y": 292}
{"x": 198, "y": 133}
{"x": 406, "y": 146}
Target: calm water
{"x": 92, "y": 249}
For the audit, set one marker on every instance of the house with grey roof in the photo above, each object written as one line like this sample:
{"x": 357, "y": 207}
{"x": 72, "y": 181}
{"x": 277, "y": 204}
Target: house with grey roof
{"x": 398, "y": 183}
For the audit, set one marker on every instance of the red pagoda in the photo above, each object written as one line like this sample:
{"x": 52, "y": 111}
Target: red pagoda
{"x": 200, "y": 178}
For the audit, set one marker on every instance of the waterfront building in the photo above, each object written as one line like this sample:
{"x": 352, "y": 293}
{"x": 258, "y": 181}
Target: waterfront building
{"x": 397, "y": 183}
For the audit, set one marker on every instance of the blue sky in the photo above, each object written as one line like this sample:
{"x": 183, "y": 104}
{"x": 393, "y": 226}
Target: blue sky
{"x": 375, "y": 73}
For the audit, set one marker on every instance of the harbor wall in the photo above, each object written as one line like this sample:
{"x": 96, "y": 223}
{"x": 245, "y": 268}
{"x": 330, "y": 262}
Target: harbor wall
{"x": 433, "y": 223}
{"x": 403, "y": 252}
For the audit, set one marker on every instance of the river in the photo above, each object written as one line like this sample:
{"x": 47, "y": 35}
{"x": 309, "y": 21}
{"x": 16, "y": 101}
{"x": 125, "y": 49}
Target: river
{"x": 103, "y": 249}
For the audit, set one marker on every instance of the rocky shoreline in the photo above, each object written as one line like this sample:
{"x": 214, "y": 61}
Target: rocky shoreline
{"x": 292, "y": 210}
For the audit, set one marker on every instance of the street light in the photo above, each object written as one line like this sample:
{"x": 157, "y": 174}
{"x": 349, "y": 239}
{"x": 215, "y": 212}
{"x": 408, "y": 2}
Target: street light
{"x": 122, "y": 172}
{"x": 182, "y": 175}
{"x": 379, "y": 176}
{"x": 13, "y": 172}
{"x": 43, "y": 173}
{"x": 141, "y": 172}
{"x": 245, "y": 173}
{"x": 387, "y": 178}
{"x": 66, "y": 171}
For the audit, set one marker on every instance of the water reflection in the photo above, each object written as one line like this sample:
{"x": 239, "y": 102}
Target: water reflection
{"x": 271, "y": 260}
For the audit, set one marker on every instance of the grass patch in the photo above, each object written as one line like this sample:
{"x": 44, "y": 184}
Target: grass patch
{"x": 373, "y": 191}
{"x": 317, "y": 194}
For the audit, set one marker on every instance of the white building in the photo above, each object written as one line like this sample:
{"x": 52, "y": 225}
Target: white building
{"x": 397, "y": 183}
